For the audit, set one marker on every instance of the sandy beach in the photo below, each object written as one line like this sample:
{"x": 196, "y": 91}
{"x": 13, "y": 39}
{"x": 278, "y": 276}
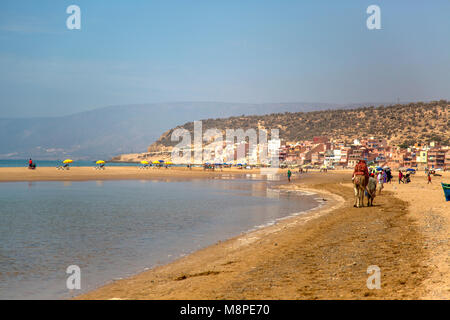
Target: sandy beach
{"x": 431, "y": 215}
{"x": 323, "y": 254}
{"x": 112, "y": 173}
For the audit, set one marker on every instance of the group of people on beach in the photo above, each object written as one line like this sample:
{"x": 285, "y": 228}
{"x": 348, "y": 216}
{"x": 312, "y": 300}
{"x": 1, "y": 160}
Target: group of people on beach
{"x": 365, "y": 183}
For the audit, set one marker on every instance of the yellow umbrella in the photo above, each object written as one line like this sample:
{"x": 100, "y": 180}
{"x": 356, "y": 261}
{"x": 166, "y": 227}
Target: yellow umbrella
{"x": 155, "y": 162}
{"x": 68, "y": 161}
{"x": 144, "y": 162}
{"x": 169, "y": 162}
{"x": 100, "y": 162}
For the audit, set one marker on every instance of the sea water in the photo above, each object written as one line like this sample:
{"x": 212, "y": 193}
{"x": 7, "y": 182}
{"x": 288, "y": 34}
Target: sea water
{"x": 113, "y": 229}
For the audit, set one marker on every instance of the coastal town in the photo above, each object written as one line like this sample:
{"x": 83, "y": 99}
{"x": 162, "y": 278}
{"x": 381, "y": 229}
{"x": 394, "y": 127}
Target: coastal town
{"x": 322, "y": 151}
{"x": 412, "y": 135}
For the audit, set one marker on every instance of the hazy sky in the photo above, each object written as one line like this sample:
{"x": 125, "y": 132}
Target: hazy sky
{"x": 229, "y": 50}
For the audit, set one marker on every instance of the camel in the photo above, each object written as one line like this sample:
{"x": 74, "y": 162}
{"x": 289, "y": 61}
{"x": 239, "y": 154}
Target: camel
{"x": 371, "y": 191}
{"x": 359, "y": 186}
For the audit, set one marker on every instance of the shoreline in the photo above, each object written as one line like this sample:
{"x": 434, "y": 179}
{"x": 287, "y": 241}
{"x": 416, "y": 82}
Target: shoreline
{"x": 244, "y": 239}
{"x": 320, "y": 254}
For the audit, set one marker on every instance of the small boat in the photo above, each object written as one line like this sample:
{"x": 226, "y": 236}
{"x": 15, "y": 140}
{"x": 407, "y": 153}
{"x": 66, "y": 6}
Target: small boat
{"x": 446, "y": 187}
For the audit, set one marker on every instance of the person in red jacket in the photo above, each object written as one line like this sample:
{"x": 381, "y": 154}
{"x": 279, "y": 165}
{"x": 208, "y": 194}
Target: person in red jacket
{"x": 400, "y": 176}
{"x": 361, "y": 169}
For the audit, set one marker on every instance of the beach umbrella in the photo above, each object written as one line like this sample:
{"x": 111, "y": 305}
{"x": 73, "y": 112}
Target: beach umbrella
{"x": 68, "y": 161}
{"x": 144, "y": 162}
{"x": 100, "y": 162}
{"x": 155, "y": 162}
{"x": 410, "y": 170}
{"x": 169, "y": 162}
{"x": 161, "y": 161}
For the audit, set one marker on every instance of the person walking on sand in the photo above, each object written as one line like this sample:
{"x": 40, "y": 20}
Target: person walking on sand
{"x": 400, "y": 176}
{"x": 289, "y": 173}
{"x": 389, "y": 175}
{"x": 429, "y": 178}
{"x": 380, "y": 182}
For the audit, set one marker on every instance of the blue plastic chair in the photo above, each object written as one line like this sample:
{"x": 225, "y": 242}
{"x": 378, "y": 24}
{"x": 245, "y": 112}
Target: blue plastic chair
{"x": 446, "y": 187}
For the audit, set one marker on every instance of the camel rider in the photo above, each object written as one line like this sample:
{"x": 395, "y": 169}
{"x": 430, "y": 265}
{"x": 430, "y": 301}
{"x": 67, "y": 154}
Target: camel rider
{"x": 361, "y": 169}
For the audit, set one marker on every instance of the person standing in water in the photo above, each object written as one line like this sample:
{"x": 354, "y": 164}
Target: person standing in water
{"x": 289, "y": 173}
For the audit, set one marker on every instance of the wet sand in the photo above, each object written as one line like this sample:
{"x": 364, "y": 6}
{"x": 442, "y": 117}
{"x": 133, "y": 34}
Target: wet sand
{"x": 323, "y": 254}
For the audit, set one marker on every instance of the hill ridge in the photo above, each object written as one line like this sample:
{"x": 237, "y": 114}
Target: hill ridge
{"x": 410, "y": 123}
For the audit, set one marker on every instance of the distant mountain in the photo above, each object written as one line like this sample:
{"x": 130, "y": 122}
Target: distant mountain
{"x": 401, "y": 124}
{"x": 105, "y": 132}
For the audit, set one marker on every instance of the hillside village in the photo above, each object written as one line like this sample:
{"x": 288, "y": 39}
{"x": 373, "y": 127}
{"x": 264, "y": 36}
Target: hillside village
{"x": 415, "y": 135}
{"x": 321, "y": 151}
